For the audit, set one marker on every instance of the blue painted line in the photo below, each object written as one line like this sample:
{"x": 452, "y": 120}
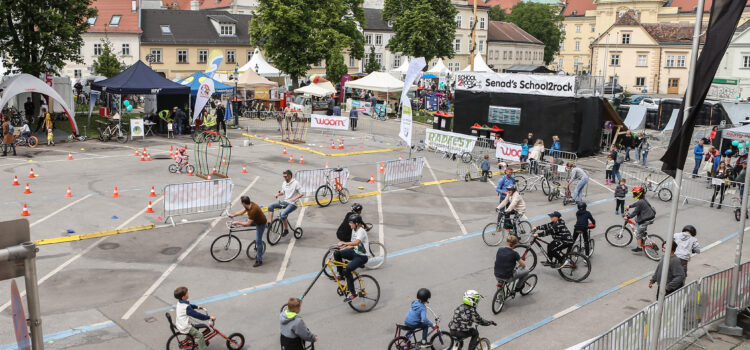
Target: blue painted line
{"x": 598, "y": 296}
{"x": 523, "y": 331}
{"x": 729, "y": 237}
{"x": 65, "y": 334}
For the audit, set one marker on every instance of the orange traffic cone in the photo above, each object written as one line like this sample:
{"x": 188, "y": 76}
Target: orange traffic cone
{"x": 31, "y": 173}
{"x": 341, "y": 144}
{"x": 68, "y": 194}
{"x": 244, "y": 169}
{"x": 372, "y": 179}
{"x": 333, "y": 145}
{"x": 400, "y": 157}
{"x": 208, "y": 177}
{"x": 223, "y": 161}
{"x": 25, "y": 210}
{"x": 284, "y": 151}
{"x": 115, "y": 194}
{"x": 148, "y": 157}
{"x": 70, "y": 156}
{"x": 190, "y": 172}
{"x": 382, "y": 167}
{"x": 171, "y": 150}
{"x": 302, "y": 159}
{"x": 137, "y": 153}
{"x": 326, "y": 165}
{"x": 213, "y": 171}
{"x": 291, "y": 158}
{"x": 143, "y": 157}
{"x": 15, "y": 181}
{"x": 144, "y": 150}
{"x": 27, "y": 191}
{"x": 152, "y": 194}
{"x": 149, "y": 209}
{"x": 209, "y": 144}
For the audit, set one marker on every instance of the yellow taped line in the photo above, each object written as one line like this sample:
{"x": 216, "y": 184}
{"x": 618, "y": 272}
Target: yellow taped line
{"x": 93, "y": 235}
{"x": 438, "y": 182}
{"x": 302, "y": 148}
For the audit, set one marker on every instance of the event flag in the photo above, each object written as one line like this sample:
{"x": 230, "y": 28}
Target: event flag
{"x": 204, "y": 93}
{"x": 214, "y": 60}
{"x": 228, "y": 112}
{"x": 725, "y": 14}
{"x": 415, "y": 70}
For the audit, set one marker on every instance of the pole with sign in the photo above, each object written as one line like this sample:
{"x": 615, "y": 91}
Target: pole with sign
{"x": 415, "y": 70}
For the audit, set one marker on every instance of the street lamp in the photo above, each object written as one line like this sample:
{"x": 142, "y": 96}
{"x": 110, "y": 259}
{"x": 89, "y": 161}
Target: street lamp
{"x": 234, "y": 99}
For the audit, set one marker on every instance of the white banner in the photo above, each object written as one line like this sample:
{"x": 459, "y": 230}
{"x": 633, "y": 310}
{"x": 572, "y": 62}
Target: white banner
{"x": 329, "y": 122}
{"x": 136, "y": 128}
{"x": 310, "y": 180}
{"x": 546, "y": 85}
{"x": 508, "y": 151}
{"x": 449, "y": 141}
{"x": 204, "y": 93}
{"x": 406, "y": 121}
{"x": 197, "y": 195}
{"x": 415, "y": 70}
{"x": 410, "y": 169}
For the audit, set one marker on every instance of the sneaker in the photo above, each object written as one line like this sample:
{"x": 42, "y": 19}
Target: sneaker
{"x": 257, "y": 263}
{"x": 617, "y": 212}
{"x": 636, "y": 249}
{"x": 350, "y": 298}
{"x": 546, "y": 263}
{"x": 286, "y": 232}
{"x": 565, "y": 264}
{"x": 423, "y": 344}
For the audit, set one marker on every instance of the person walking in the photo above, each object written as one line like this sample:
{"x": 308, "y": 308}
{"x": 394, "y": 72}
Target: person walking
{"x": 8, "y": 139}
{"x": 675, "y": 274}
{"x": 720, "y": 173}
{"x": 627, "y": 142}
{"x": 535, "y": 155}
{"x": 698, "y": 156}
{"x": 645, "y": 147}
{"x": 687, "y": 245}
{"x": 220, "y": 118}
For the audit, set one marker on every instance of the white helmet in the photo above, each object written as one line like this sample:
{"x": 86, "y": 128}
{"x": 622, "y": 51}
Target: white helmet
{"x": 472, "y": 297}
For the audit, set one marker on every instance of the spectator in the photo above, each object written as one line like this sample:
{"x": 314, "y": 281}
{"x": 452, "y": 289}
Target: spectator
{"x": 644, "y": 148}
{"x": 536, "y": 155}
{"x": 712, "y": 136}
{"x": 627, "y": 142}
{"x": 331, "y": 104}
{"x": 485, "y": 166}
{"x": 687, "y": 245}
{"x": 609, "y": 177}
{"x": 698, "y": 155}
{"x": 524, "y": 150}
{"x": 220, "y": 111}
{"x": 720, "y": 173}
{"x": 620, "y": 192}
{"x": 741, "y": 178}
{"x": 8, "y": 139}
{"x": 637, "y": 146}
{"x": 555, "y": 147}
{"x": 353, "y": 117}
{"x": 675, "y": 274}
{"x": 530, "y": 139}
{"x": 619, "y": 158}
{"x": 28, "y": 109}
{"x": 373, "y": 100}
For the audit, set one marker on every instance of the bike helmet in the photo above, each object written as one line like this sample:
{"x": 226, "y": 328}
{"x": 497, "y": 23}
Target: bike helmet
{"x": 356, "y": 207}
{"x": 356, "y": 218}
{"x": 472, "y": 297}
{"x": 581, "y": 205}
{"x": 691, "y": 229}
{"x": 511, "y": 187}
{"x": 181, "y": 149}
{"x": 423, "y": 294}
{"x": 637, "y": 192}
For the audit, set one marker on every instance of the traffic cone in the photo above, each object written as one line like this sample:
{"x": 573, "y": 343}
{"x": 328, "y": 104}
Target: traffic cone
{"x": 144, "y": 150}
{"x": 137, "y": 153}
{"x": 284, "y": 151}
{"x": 31, "y": 173}
{"x": 190, "y": 172}
{"x": 148, "y": 157}
{"x": 326, "y": 165}
{"x": 152, "y": 194}
{"x": 291, "y": 158}
{"x": 149, "y": 209}
{"x": 341, "y": 144}
{"x": 70, "y": 156}
{"x": 209, "y": 144}
{"x": 400, "y": 157}
{"x": 68, "y": 194}
{"x": 224, "y": 161}
{"x": 208, "y": 178}
{"x": 382, "y": 167}
{"x": 25, "y": 210}
{"x": 115, "y": 194}
{"x": 302, "y": 159}
{"x": 213, "y": 171}
{"x": 244, "y": 169}
{"x": 372, "y": 179}
{"x": 15, "y": 181}
{"x": 333, "y": 145}
{"x": 171, "y": 150}
{"x": 27, "y": 191}
{"x": 143, "y": 157}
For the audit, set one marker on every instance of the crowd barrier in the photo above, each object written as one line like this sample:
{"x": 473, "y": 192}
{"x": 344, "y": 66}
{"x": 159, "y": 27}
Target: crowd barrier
{"x": 702, "y": 188}
{"x": 403, "y": 171}
{"x": 197, "y": 197}
{"x": 310, "y": 180}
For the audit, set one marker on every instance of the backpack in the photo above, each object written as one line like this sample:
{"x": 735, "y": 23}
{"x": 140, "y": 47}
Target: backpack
{"x": 620, "y": 157}
{"x": 10, "y": 128}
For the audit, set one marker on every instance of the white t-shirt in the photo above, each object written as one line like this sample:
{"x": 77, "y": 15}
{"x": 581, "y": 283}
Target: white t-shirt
{"x": 291, "y": 189}
{"x": 364, "y": 243}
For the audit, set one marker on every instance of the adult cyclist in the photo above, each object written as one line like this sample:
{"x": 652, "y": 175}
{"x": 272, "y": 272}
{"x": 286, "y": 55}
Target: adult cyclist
{"x": 464, "y": 317}
{"x": 512, "y": 204}
{"x": 344, "y": 232}
{"x": 292, "y": 192}
{"x": 643, "y": 213}
{"x": 505, "y": 181}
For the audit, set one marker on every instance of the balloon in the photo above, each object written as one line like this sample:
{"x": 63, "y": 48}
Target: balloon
{"x": 126, "y": 103}
{"x": 747, "y": 143}
{"x": 741, "y": 146}
{"x": 129, "y": 108}
{"x": 735, "y": 143}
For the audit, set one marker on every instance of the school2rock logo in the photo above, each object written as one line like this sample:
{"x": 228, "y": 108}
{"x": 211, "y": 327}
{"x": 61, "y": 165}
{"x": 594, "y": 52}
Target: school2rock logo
{"x": 468, "y": 82}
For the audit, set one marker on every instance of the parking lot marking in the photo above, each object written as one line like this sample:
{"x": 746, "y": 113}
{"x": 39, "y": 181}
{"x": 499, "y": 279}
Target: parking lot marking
{"x": 182, "y": 257}
{"x": 290, "y": 246}
{"x": 379, "y": 200}
{"x": 445, "y": 197}
{"x": 61, "y": 209}
{"x": 307, "y": 149}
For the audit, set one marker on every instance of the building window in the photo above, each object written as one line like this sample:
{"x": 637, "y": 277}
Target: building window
{"x": 745, "y": 61}
{"x": 92, "y": 21}
{"x": 458, "y": 21}
{"x": 202, "y": 56}
{"x": 226, "y": 29}
{"x": 230, "y": 56}
{"x": 562, "y": 45}
{"x": 368, "y": 39}
{"x": 670, "y": 61}
{"x": 379, "y": 59}
{"x": 481, "y": 45}
{"x": 319, "y": 63}
{"x": 379, "y": 39}
{"x": 578, "y": 45}
{"x": 593, "y": 28}
{"x": 626, "y": 38}
{"x": 78, "y": 52}
{"x": 397, "y": 60}
{"x": 352, "y": 61}
{"x": 126, "y": 49}
{"x": 471, "y": 21}
{"x": 156, "y": 53}
{"x": 182, "y": 56}
{"x": 559, "y": 63}
{"x": 640, "y": 81}
{"x": 115, "y": 20}
{"x": 97, "y": 49}
{"x": 641, "y": 60}
{"x": 518, "y": 55}
{"x": 505, "y": 55}
{"x": 457, "y": 45}
{"x": 578, "y": 28}
{"x": 166, "y": 30}
{"x": 77, "y": 73}
{"x": 481, "y": 22}
{"x": 680, "y": 61}
{"x": 615, "y": 60}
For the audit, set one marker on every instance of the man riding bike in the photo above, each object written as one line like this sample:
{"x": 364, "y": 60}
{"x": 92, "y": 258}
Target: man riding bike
{"x": 292, "y": 192}
{"x": 255, "y": 218}
{"x": 344, "y": 232}
{"x": 506, "y": 259}
{"x": 464, "y": 317}
{"x": 561, "y": 239}
{"x": 505, "y": 181}
{"x": 643, "y": 213}
{"x": 512, "y": 204}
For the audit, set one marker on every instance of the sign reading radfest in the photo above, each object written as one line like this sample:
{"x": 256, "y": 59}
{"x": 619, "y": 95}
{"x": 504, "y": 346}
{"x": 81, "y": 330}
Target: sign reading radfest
{"x": 547, "y": 85}
{"x": 508, "y": 151}
{"x": 329, "y": 122}
{"x": 449, "y": 141}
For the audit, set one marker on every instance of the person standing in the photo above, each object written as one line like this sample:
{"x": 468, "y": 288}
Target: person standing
{"x": 8, "y": 139}
{"x": 220, "y": 118}
{"x": 645, "y": 147}
{"x": 698, "y": 156}
{"x": 485, "y": 166}
{"x": 687, "y": 245}
{"x": 675, "y": 274}
{"x": 535, "y": 155}
{"x": 255, "y": 218}
{"x": 353, "y": 117}
{"x": 720, "y": 173}
{"x": 637, "y": 146}
{"x": 619, "y": 157}
{"x": 28, "y": 109}
{"x": 331, "y": 104}
{"x": 294, "y": 332}
{"x": 524, "y": 151}
{"x": 627, "y": 142}
{"x": 180, "y": 118}
{"x": 553, "y": 150}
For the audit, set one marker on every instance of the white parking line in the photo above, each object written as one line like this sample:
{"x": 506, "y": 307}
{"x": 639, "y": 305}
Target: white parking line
{"x": 379, "y": 199}
{"x": 288, "y": 253}
{"x": 59, "y": 210}
{"x": 447, "y": 201}
{"x": 182, "y": 257}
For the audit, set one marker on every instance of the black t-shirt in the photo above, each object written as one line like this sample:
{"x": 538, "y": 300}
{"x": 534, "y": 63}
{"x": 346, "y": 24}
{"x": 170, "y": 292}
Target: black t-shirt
{"x": 344, "y": 232}
{"x": 505, "y": 262}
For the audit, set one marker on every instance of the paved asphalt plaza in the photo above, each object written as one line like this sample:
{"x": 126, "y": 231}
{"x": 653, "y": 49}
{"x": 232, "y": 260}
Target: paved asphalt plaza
{"x": 112, "y": 292}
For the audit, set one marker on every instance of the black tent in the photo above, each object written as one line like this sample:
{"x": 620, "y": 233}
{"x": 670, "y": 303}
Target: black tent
{"x": 139, "y": 79}
{"x": 520, "y": 68}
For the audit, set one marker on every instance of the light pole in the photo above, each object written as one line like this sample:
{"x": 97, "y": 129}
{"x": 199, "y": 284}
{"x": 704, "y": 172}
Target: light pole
{"x": 234, "y": 99}
{"x": 614, "y": 68}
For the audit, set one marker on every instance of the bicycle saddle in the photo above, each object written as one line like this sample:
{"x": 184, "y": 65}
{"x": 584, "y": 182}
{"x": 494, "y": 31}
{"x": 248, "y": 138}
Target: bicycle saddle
{"x": 338, "y": 170}
{"x": 404, "y": 327}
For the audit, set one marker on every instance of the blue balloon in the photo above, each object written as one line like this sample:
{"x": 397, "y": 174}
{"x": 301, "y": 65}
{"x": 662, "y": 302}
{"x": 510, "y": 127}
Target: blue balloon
{"x": 735, "y": 143}
{"x": 741, "y": 146}
{"x": 126, "y": 103}
{"x": 129, "y": 108}
{"x": 729, "y": 151}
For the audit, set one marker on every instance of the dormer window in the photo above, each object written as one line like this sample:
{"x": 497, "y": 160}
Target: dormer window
{"x": 115, "y": 21}
{"x": 166, "y": 30}
{"x": 92, "y": 21}
{"x": 226, "y": 29}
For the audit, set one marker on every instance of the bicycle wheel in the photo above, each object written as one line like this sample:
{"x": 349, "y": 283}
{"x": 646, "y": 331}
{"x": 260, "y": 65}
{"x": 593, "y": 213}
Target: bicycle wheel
{"x": 377, "y": 255}
{"x": 195, "y": 135}
{"x": 738, "y": 214}
{"x": 181, "y": 341}
{"x": 274, "y": 232}
{"x": 498, "y": 300}
{"x": 467, "y": 177}
{"x": 236, "y": 341}
{"x": 484, "y": 344}
{"x": 665, "y": 194}
{"x": 298, "y": 232}
{"x": 441, "y": 341}
{"x": 400, "y": 343}
{"x": 252, "y": 250}
{"x": 528, "y": 255}
{"x": 466, "y": 157}
{"x": 618, "y": 235}
{"x": 493, "y": 234}
{"x": 226, "y": 248}
{"x": 528, "y": 284}
{"x": 578, "y": 268}
{"x": 553, "y": 193}
{"x": 592, "y": 244}
{"x": 32, "y": 142}
{"x": 367, "y": 290}
{"x": 328, "y": 255}
{"x": 652, "y": 247}
{"x": 190, "y": 169}
{"x": 523, "y": 232}
{"x": 521, "y": 183}
{"x": 173, "y": 168}
{"x": 545, "y": 186}
{"x": 343, "y": 196}
{"x": 324, "y": 195}
{"x": 122, "y": 136}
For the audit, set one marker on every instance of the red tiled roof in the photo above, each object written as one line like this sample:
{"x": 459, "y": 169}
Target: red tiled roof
{"x": 204, "y": 4}
{"x": 672, "y": 32}
{"x": 504, "y": 4}
{"x": 690, "y": 5}
{"x": 505, "y": 31}
{"x": 107, "y": 9}
{"x": 578, "y": 6}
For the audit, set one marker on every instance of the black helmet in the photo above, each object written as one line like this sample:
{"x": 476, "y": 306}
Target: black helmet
{"x": 356, "y": 218}
{"x": 424, "y": 294}
{"x": 691, "y": 229}
{"x": 581, "y": 205}
{"x": 356, "y": 207}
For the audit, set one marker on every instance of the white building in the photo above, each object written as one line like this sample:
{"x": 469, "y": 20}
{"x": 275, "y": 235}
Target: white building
{"x": 733, "y": 77}
{"x": 377, "y": 33}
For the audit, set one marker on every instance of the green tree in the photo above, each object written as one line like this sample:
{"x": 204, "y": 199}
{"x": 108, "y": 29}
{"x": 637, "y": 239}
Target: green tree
{"x": 422, "y": 28}
{"x": 335, "y": 66}
{"x": 41, "y": 35}
{"x": 297, "y": 33}
{"x": 106, "y": 64}
{"x": 543, "y": 22}
{"x": 372, "y": 64}
{"x": 497, "y": 13}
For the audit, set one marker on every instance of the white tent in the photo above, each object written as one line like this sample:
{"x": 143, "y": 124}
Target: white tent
{"x": 258, "y": 64}
{"x": 479, "y": 65}
{"x": 377, "y": 81}
{"x": 403, "y": 68}
{"x": 741, "y": 133}
{"x": 439, "y": 67}
{"x": 737, "y": 111}
{"x": 636, "y": 118}
{"x": 672, "y": 120}
{"x": 321, "y": 89}
{"x": 28, "y": 83}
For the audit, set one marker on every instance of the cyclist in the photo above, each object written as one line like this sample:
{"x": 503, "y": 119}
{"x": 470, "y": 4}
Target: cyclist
{"x": 506, "y": 259}
{"x": 181, "y": 157}
{"x": 356, "y": 251}
{"x": 255, "y": 218}
{"x": 561, "y": 239}
{"x": 465, "y": 316}
{"x": 577, "y": 173}
{"x": 25, "y": 131}
{"x": 344, "y": 232}
{"x": 505, "y": 181}
{"x": 416, "y": 318}
{"x": 184, "y": 310}
{"x": 292, "y": 192}
{"x": 512, "y": 204}
{"x": 293, "y": 329}
{"x": 583, "y": 217}
{"x": 644, "y": 214}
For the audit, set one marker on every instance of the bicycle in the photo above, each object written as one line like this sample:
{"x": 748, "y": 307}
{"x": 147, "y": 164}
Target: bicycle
{"x": 186, "y": 341}
{"x": 737, "y": 205}
{"x": 660, "y": 188}
{"x": 324, "y": 193}
{"x": 555, "y": 194}
{"x": 622, "y": 235}
{"x": 439, "y": 341}
{"x": 180, "y": 166}
{"x": 533, "y": 183}
{"x": 482, "y": 344}
{"x": 507, "y": 290}
{"x": 226, "y": 248}
{"x": 578, "y": 269}
{"x": 29, "y": 141}
{"x": 376, "y": 259}
{"x": 579, "y": 245}
{"x": 365, "y": 301}
{"x": 203, "y": 133}
{"x": 276, "y": 229}
{"x": 112, "y": 130}
{"x": 494, "y": 232}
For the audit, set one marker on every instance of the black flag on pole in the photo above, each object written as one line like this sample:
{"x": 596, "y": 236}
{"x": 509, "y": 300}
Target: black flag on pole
{"x": 725, "y": 14}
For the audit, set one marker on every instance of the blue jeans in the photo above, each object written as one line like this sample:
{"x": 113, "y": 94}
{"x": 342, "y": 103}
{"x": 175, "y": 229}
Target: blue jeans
{"x": 355, "y": 261}
{"x": 697, "y": 165}
{"x": 423, "y": 326}
{"x": 643, "y": 158}
{"x": 288, "y": 208}
{"x": 616, "y": 172}
{"x": 627, "y": 153}
{"x": 579, "y": 189}
{"x": 259, "y": 229}
{"x": 637, "y": 153}
{"x": 179, "y": 126}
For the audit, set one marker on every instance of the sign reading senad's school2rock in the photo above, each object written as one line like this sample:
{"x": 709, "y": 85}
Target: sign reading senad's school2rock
{"x": 546, "y": 85}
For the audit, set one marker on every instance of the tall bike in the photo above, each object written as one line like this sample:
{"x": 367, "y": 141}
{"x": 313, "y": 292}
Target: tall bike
{"x": 578, "y": 269}
{"x": 227, "y": 247}
{"x": 276, "y": 230}
{"x": 324, "y": 193}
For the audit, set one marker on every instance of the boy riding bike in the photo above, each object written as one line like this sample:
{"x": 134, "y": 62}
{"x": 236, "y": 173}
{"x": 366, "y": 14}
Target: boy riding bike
{"x": 505, "y": 263}
{"x": 184, "y": 310}
{"x": 561, "y": 239}
{"x": 417, "y": 316}
{"x": 583, "y": 218}
{"x": 464, "y": 317}
{"x": 292, "y": 192}
{"x": 643, "y": 213}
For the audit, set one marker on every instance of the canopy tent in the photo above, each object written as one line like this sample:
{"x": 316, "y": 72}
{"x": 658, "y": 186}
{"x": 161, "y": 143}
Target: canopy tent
{"x": 28, "y": 83}
{"x": 636, "y": 118}
{"x": 259, "y": 65}
{"x": 139, "y": 79}
{"x": 520, "y": 68}
{"x": 250, "y": 80}
{"x": 320, "y": 89}
{"x": 429, "y": 76}
{"x": 479, "y": 65}
{"x": 439, "y": 67}
{"x": 741, "y": 133}
{"x": 403, "y": 67}
{"x": 377, "y": 81}
{"x": 737, "y": 111}
{"x": 672, "y": 119}
{"x": 194, "y": 82}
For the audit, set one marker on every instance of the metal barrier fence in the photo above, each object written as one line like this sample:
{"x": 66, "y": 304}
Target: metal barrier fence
{"x": 197, "y": 197}
{"x": 708, "y": 190}
{"x": 310, "y": 180}
{"x": 557, "y": 155}
{"x": 403, "y": 171}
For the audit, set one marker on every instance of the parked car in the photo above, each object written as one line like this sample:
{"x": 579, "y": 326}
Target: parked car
{"x": 650, "y": 102}
{"x": 608, "y": 88}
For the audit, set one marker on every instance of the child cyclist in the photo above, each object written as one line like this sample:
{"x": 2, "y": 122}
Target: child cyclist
{"x": 464, "y": 317}
{"x": 417, "y": 316}
{"x": 643, "y": 213}
{"x": 561, "y": 239}
{"x": 181, "y": 157}
{"x": 184, "y": 310}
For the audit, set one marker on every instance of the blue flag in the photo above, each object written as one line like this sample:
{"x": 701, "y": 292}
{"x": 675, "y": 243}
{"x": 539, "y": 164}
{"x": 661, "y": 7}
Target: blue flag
{"x": 228, "y": 112}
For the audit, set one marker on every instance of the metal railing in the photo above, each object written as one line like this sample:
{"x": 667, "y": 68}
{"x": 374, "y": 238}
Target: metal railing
{"x": 310, "y": 180}
{"x": 708, "y": 190}
{"x": 403, "y": 171}
{"x": 197, "y": 197}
